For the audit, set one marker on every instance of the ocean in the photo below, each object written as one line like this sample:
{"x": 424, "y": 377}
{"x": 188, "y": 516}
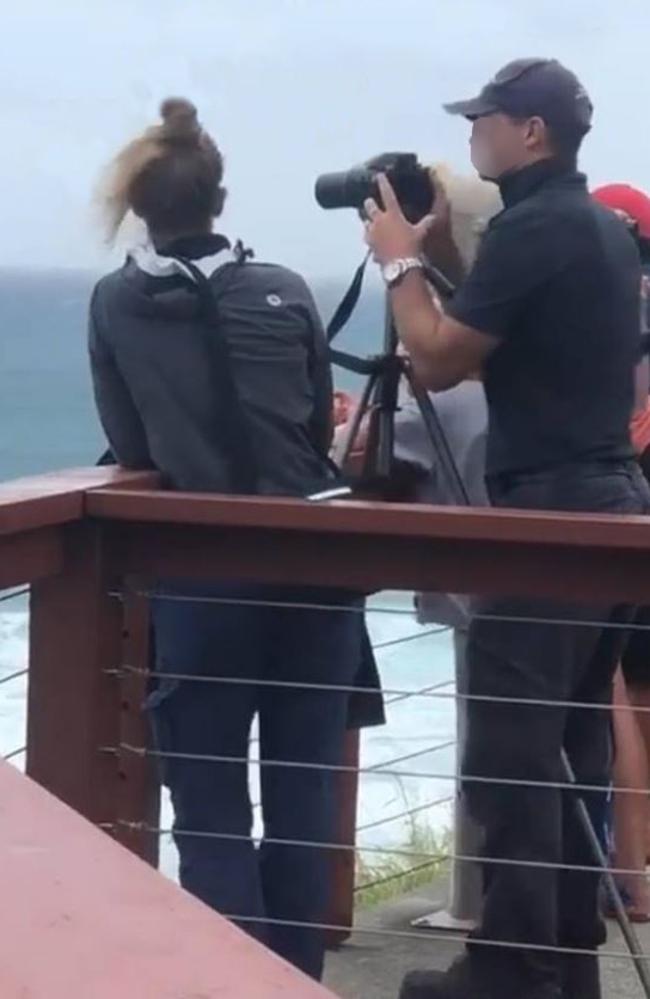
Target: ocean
{"x": 48, "y": 422}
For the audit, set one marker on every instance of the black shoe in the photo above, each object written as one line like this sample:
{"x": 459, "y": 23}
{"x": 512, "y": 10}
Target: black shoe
{"x": 580, "y": 976}
{"x": 462, "y": 981}
{"x": 423, "y": 985}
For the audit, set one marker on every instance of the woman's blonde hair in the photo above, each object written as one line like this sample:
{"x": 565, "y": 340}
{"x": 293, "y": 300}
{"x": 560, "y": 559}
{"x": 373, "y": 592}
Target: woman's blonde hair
{"x": 473, "y": 202}
{"x": 170, "y": 176}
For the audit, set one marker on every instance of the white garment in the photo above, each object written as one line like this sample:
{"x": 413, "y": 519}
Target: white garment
{"x": 462, "y": 412}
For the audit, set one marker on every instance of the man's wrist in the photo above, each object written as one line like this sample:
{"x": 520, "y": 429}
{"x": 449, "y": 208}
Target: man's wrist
{"x": 394, "y": 271}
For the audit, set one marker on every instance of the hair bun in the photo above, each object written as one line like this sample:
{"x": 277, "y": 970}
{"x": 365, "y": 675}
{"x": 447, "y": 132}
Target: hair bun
{"x": 180, "y": 121}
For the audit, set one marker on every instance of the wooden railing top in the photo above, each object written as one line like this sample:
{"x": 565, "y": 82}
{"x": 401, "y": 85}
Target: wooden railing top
{"x": 58, "y": 497}
{"x": 82, "y": 916}
{"x": 149, "y": 532}
{"x": 115, "y": 494}
{"x": 594, "y": 531}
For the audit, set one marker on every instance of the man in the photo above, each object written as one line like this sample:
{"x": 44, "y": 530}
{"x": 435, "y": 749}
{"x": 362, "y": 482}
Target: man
{"x": 550, "y": 314}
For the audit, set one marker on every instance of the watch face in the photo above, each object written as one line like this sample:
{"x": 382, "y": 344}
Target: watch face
{"x": 392, "y": 271}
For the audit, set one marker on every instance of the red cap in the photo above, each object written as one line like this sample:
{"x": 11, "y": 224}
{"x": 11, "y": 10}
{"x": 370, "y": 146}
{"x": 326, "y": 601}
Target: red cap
{"x": 624, "y": 198}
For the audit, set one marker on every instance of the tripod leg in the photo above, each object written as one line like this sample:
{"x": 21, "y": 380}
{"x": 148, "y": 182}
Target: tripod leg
{"x": 628, "y": 931}
{"x": 439, "y": 443}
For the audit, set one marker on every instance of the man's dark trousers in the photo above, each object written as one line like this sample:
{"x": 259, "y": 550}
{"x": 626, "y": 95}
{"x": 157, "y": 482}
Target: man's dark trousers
{"x": 534, "y": 660}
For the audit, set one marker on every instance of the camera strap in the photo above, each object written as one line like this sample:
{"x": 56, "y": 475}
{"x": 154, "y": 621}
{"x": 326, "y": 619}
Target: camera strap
{"x": 346, "y": 306}
{"x": 342, "y": 313}
{"x": 348, "y": 303}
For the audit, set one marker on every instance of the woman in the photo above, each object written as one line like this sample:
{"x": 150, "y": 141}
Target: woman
{"x": 631, "y": 830}
{"x": 631, "y": 842}
{"x": 213, "y": 369}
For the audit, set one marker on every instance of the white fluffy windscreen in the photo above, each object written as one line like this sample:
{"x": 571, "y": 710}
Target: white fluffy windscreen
{"x": 473, "y": 203}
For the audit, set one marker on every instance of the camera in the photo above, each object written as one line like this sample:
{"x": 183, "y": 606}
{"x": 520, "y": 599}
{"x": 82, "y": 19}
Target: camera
{"x": 409, "y": 179}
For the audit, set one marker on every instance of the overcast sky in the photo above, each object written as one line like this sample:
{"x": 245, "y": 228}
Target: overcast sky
{"x": 289, "y": 88}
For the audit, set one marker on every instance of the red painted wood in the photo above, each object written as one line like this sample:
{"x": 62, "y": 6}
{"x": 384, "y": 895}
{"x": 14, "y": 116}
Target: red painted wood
{"x": 73, "y": 700}
{"x": 138, "y": 799}
{"x": 29, "y": 556}
{"x": 58, "y": 498}
{"x": 343, "y": 874}
{"x": 371, "y": 561}
{"x": 574, "y": 531}
{"x": 82, "y": 917}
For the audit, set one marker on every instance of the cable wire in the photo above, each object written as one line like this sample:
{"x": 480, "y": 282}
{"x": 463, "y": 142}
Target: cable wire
{"x": 341, "y": 768}
{"x": 432, "y": 935}
{"x": 12, "y": 676}
{"x": 395, "y": 851}
{"x": 435, "y": 692}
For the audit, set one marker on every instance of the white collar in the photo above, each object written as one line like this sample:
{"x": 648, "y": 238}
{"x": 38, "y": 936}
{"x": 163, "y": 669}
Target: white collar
{"x": 156, "y": 265}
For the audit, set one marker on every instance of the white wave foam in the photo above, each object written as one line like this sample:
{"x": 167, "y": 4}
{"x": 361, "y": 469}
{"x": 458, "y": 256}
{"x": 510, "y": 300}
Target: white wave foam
{"x": 13, "y": 657}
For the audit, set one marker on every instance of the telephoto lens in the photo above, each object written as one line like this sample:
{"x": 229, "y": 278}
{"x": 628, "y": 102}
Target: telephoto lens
{"x": 349, "y": 189}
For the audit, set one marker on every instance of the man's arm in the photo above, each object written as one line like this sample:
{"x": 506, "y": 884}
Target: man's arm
{"x": 443, "y": 351}
{"x": 516, "y": 257}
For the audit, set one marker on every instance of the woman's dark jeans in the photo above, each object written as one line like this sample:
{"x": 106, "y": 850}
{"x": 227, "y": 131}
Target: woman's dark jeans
{"x": 276, "y": 882}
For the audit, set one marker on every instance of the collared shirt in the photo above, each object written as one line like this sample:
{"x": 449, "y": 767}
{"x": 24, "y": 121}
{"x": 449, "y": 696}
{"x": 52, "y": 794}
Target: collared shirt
{"x": 556, "y": 281}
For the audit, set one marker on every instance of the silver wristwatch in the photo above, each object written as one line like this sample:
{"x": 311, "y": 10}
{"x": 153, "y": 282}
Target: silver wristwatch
{"x": 393, "y": 271}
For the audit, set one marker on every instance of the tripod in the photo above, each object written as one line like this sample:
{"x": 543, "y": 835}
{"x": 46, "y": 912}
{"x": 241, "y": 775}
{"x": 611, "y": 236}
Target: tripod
{"x": 380, "y": 399}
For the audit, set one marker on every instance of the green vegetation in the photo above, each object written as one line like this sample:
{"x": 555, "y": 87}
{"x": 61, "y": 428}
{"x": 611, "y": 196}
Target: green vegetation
{"x": 381, "y": 879}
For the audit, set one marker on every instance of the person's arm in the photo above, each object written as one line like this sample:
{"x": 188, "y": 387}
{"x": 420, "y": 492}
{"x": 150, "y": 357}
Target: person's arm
{"x": 445, "y": 348}
{"x": 443, "y": 351}
{"x": 641, "y": 386}
{"x": 117, "y": 413}
{"x": 642, "y": 373}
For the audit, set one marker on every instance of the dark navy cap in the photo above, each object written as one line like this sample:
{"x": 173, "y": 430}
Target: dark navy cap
{"x": 530, "y": 88}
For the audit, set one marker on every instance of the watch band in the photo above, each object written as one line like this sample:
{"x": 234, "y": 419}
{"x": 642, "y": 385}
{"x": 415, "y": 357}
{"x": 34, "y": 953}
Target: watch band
{"x": 395, "y": 270}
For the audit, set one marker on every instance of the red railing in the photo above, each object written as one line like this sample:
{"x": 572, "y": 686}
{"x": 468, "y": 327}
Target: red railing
{"x": 78, "y": 538}
{"x": 83, "y": 917}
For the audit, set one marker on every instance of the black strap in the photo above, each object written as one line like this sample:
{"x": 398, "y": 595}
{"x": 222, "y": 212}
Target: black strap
{"x": 233, "y": 431}
{"x": 346, "y": 306}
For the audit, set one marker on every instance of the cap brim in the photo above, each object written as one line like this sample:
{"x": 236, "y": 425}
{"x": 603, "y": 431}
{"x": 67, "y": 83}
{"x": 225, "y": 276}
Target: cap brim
{"x": 475, "y": 108}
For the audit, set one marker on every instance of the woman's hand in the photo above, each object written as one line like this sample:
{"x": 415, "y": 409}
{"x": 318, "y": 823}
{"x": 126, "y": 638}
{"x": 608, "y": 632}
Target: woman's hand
{"x": 344, "y": 407}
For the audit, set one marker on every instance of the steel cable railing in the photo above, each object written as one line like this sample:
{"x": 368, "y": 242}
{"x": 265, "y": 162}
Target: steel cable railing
{"x": 421, "y": 861}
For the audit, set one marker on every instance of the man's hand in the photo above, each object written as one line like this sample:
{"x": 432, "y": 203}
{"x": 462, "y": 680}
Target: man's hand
{"x": 388, "y": 233}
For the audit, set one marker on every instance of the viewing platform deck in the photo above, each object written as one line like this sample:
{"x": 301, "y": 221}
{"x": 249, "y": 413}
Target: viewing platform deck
{"x": 82, "y": 916}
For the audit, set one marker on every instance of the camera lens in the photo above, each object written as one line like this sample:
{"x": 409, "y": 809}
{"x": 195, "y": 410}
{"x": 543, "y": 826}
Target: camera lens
{"x": 348, "y": 189}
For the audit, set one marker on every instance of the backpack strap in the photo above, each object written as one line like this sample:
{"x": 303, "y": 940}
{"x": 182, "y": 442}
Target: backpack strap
{"x": 233, "y": 430}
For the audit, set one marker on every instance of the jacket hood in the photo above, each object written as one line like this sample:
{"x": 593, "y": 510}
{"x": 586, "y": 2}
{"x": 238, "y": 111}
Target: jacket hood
{"x": 159, "y": 282}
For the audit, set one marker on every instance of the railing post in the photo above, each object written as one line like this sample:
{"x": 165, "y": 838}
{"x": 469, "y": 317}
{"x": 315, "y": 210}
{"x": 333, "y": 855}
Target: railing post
{"x": 343, "y": 869}
{"x": 73, "y": 701}
{"x": 139, "y": 789}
